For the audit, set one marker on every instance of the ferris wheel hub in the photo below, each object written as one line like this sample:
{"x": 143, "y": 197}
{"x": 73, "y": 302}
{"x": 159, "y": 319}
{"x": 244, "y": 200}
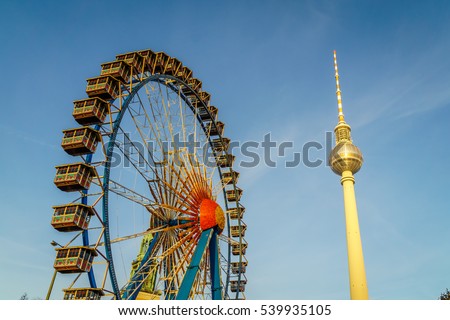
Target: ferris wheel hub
{"x": 211, "y": 215}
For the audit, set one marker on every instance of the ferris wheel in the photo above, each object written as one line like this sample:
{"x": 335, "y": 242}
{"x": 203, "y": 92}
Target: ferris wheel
{"x": 154, "y": 209}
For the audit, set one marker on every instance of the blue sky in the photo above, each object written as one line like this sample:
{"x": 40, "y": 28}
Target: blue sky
{"x": 269, "y": 68}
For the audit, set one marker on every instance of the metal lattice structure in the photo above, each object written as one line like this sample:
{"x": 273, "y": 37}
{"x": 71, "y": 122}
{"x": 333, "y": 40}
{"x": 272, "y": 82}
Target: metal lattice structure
{"x": 152, "y": 175}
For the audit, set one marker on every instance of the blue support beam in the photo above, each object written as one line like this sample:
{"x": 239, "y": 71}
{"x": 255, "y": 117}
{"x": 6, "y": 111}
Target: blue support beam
{"x": 134, "y": 286}
{"x": 194, "y": 266}
{"x": 216, "y": 287}
{"x": 85, "y": 235}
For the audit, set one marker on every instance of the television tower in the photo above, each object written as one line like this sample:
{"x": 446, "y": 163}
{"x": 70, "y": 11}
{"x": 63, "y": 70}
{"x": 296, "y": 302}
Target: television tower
{"x": 345, "y": 160}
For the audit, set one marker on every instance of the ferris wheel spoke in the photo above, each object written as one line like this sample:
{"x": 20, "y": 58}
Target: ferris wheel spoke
{"x": 130, "y": 194}
{"x": 192, "y": 183}
{"x": 158, "y": 126}
{"x": 153, "y": 179}
{"x": 181, "y": 257}
{"x": 162, "y": 250}
{"x": 182, "y": 199}
{"x": 142, "y": 156}
{"x": 172, "y": 265}
{"x": 165, "y": 195}
{"x": 199, "y": 284}
{"x": 189, "y": 214}
{"x": 228, "y": 239}
{"x": 166, "y": 106}
{"x": 174, "y": 116}
{"x": 146, "y": 139}
{"x": 147, "y": 123}
{"x": 154, "y": 230}
{"x": 192, "y": 235}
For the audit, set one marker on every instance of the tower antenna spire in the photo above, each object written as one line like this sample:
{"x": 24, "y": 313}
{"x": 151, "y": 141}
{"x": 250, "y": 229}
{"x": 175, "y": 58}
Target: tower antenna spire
{"x": 338, "y": 90}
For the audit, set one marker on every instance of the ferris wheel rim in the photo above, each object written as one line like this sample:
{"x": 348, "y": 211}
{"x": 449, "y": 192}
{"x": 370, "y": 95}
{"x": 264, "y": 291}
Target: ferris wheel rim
{"x": 136, "y": 82}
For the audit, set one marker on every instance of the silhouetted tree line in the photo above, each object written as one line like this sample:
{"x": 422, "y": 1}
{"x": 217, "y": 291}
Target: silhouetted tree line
{"x": 445, "y": 295}
{"x": 25, "y": 297}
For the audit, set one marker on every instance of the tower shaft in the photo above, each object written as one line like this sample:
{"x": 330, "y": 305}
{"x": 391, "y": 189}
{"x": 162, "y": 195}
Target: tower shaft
{"x": 356, "y": 269}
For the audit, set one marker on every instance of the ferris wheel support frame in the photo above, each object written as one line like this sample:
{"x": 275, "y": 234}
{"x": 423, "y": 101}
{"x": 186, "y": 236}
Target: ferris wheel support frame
{"x": 194, "y": 266}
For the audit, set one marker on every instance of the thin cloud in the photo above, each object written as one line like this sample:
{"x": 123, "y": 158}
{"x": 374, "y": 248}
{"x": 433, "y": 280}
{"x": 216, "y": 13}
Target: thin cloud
{"x": 26, "y": 137}
{"x": 401, "y": 93}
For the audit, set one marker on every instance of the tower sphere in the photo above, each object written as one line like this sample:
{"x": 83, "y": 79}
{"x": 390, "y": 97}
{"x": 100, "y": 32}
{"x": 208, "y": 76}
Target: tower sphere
{"x": 345, "y": 156}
